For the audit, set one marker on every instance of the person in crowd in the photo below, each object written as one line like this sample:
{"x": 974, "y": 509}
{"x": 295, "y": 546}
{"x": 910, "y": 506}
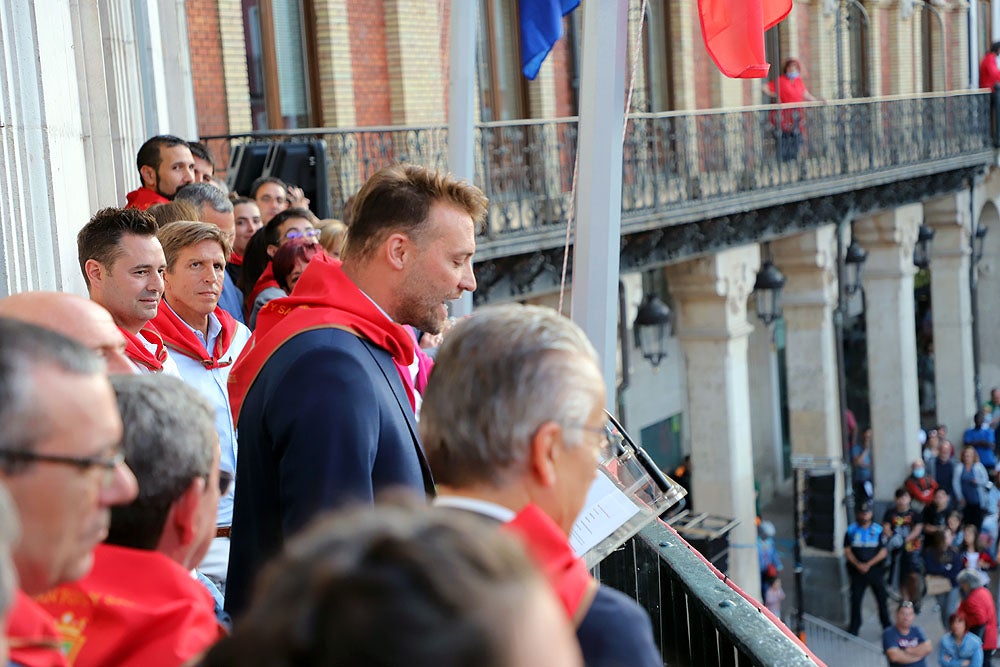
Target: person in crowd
{"x": 981, "y": 437}
{"x": 122, "y": 262}
{"x": 790, "y": 89}
{"x": 865, "y": 549}
{"x": 920, "y": 486}
{"x": 205, "y": 342}
{"x": 215, "y": 208}
{"x": 274, "y": 196}
{"x": 408, "y": 254}
{"x": 979, "y": 609}
{"x": 970, "y": 480}
{"x": 257, "y": 279}
{"x": 61, "y": 461}
{"x": 139, "y": 604}
{"x": 861, "y": 461}
{"x": 204, "y": 162}
{"x": 942, "y": 467}
{"x": 290, "y": 260}
{"x": 172, "y": 211}
{"x": 527, "y": 459}
{"x": 767, "y": 555}
{"x": 935, "y": 514}
{"x": 905, "y": 643}
{"x": 396, "y": 586}
{"x": 960, "y": 648}
{"x": 9, "y": 533}
{"x": 165, "y": 164}
{"x": 974, "y": 556}
{"x": 932, "y": 446}
{"x": 774, "y": 596}
{"x": 247, "y": 223}
{"x": 905, "y": 530}
{"x": 75, "y": 317}
{"x": 955, "y": 528}
{"x": 332, "y": 235}
{"x": 989, "y": 70}
{"x": 942, "y": 563}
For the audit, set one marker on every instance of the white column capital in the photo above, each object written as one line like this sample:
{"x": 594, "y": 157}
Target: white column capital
{"x": 701, "y": 285}
{"x": 889, "y": 237}
{"x": 809, "y": 262}
{"x": 951, "y": 220}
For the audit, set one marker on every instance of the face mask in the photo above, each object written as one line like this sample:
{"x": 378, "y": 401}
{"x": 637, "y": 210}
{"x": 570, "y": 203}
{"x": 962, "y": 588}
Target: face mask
{"x": 792, "y": 75}
{"x": 918, "y": 473}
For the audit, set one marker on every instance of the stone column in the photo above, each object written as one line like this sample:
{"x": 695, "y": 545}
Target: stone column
{"x": 889, "y": 237}
{"x": 954, "y": 380}
{"x": 711, "y": 295}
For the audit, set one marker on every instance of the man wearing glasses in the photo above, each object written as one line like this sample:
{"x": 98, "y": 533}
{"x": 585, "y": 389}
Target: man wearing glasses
{"x": 61, "y": 460}
{"x": 514, "y": 427}
{"x": 141, "y": 580}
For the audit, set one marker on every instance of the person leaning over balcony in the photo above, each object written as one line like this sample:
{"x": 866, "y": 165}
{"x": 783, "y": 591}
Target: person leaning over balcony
{"x": 989, "y": 68}
{"x": 526, "y": 458}
{"x": 791, "y": 89}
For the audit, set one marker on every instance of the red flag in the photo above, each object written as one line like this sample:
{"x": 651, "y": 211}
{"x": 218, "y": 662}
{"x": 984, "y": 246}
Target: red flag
{"x": 734, "y": 33}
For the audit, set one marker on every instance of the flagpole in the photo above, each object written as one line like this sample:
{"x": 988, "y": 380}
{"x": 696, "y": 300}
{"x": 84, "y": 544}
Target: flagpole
{"x": 596, "y": 250}
{"x": 462, "y": 31}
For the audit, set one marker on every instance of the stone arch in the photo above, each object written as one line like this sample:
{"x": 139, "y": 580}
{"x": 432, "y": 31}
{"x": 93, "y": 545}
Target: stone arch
{"x": 987, "y": 313}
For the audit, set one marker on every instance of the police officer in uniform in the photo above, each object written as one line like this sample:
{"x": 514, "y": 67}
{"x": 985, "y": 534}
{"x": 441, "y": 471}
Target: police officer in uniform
{"x": 865, "y": 551}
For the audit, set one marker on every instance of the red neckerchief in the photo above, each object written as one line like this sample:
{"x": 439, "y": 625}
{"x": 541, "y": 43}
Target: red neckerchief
{"x": 265, "y": 281}
{"x": 34, "y": 641}
{"x": 139, "y": 353}
{"x": 179, "y": 337}
{"x": 235, "y": 258}
{"x": 548, "y": 547}
{"x": 135, "y": 608}
{"x": 143, "y": 198}
{"x": 324, "y": 298}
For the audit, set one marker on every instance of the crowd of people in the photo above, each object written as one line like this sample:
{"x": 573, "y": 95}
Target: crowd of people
{"x": 174, "y": 469}
{"x": 937, "y": 543}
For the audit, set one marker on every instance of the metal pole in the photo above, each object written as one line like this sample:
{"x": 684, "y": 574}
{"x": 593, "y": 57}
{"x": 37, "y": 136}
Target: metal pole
{"x": 797, "y": 554}
{"x": 974, "y": 294}
{"x": 838, "y": 325}
{"x": 626, "y": 355}
{"x": 462, "y": 105}
{"x": 596, "y": 250}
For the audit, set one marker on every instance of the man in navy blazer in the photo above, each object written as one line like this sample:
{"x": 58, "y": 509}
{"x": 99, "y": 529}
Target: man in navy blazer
{"x": 324, "y": 395}
{"x": 513, "y": 424}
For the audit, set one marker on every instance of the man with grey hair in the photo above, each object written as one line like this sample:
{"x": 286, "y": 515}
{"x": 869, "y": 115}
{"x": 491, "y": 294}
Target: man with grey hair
{"x": 979, "y": 609}
{"x": 215, "y": 208}
{"x": 61, "y": 461}
{"x": 141, "y": 577}
{"x": 513, "y": 424}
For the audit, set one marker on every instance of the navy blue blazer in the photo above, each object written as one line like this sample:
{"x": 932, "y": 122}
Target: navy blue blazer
{"x": 327, "y": 422}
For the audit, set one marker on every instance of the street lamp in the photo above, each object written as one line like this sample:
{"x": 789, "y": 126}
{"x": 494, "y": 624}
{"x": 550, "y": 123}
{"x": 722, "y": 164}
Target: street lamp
{"x": 979, "y": 244}
{"x": 652, "y": 328}
{"x": 767, "y": 291}
{"x": 854, "y": 267}
{"x": 922, "y": 250}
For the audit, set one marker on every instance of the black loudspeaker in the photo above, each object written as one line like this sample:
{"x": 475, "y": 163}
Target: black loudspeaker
{"x": 819, "y": 512}
{"x": 246, "y": 164}
{"x": 304, "y": 165}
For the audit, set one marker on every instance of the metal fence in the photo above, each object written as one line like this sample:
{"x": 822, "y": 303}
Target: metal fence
{"x": 699, "y": 620}
{"x": 838, "y": 648}
{"x": 677, "y": 166}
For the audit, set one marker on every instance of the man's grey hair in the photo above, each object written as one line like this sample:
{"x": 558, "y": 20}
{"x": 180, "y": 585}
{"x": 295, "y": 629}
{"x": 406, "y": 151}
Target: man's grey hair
{"x": 205, "y": 193}
{"x": 499, "y": 376}
{"x": 24, "y": 348}
{"x": 169, "y": 441}
{"x": 971, "y": 578}
{"x": 10, "y": 530}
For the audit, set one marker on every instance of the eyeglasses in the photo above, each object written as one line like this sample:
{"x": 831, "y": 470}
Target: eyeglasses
{"x": 107, "y": 464}
{"x": 610, "y": 442}
{"x": 293, "y": 234}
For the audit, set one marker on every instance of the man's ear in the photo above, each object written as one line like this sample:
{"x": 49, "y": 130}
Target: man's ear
{"x": 94, "y": 271}
{"x": 183, "y": 512}
{"x": 148, "y": 175}
{"x": 271, "y": 249}
{"x": 545, "y": 449}
{"x": 397, "y": 248}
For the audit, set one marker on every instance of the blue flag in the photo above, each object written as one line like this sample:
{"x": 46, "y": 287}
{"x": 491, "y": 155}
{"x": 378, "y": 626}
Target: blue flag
{"x": 541, "y": 28}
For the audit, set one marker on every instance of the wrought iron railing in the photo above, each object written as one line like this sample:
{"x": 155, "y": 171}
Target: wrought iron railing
{"x": 837, "y": 647}
{"x": 678, "y": 166}
{"x": 699, "y": 618}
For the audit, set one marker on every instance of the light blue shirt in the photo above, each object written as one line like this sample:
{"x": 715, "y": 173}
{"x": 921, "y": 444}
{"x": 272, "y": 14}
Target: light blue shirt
{"x": 212, "y": 383}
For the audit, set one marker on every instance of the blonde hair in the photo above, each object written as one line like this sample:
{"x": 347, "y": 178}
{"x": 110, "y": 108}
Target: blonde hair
{"x": 333, "y": 234}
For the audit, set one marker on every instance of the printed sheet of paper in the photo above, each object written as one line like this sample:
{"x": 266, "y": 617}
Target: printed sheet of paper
{"x": 605, "y": 511}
